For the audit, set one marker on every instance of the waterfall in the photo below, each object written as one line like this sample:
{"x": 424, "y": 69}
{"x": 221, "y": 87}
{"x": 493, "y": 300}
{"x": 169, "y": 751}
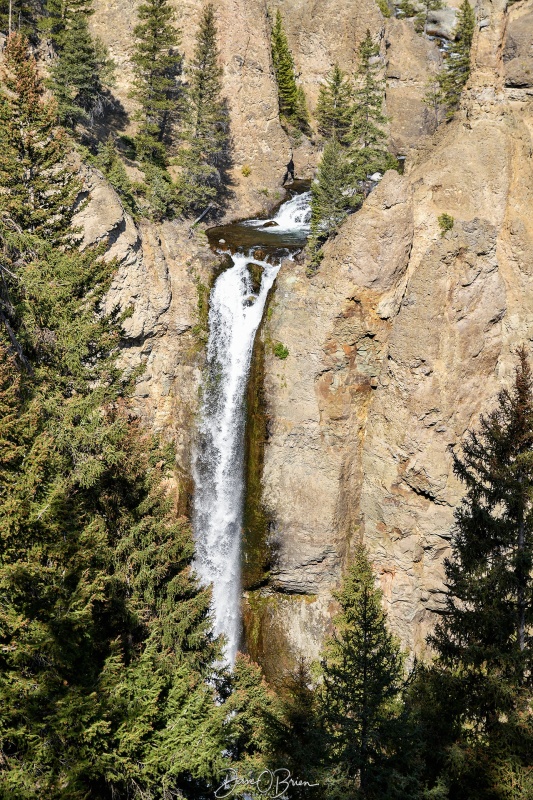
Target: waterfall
{"x": 235, "y": 314}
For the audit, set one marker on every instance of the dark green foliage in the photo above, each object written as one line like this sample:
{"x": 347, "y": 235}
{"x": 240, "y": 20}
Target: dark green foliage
{"x": 384, "y": 8}
{"x": 58, "y": 13}
{"x": 363, "y": 679}
{"x": 39, "y": 191}
{"x": 157, "y": 65}
{"x": 161, "y": 194}
{"x": 331, "y": 197}
{"x": 81, "y": 74}
{"x": 477, "y": 714}
{"x": 24, "y": 16}
{"x": 297, "y": 738}
{"x": 106, "y": 653}
{"x": 334, "y": 106}
{"x": 456, "y": 72}
{"x": 205, "y": 157}
{"x": 369, "y": 152}
{"x": 406, "y": 8}
{"x": 109, "y": 161}
{"x": 292, "y": 105}
{"x": 249, "y": 711}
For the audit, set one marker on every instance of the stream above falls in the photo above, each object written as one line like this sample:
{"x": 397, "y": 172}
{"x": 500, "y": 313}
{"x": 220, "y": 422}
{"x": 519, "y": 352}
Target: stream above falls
{"x": 236, "y": 306}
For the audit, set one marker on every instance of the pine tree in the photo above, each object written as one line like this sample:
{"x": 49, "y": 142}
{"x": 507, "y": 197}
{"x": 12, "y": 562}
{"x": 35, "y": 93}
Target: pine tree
{"x": 456, "y": 70}
{"x": 333, "y": 110}
{"x": 482, "y": 678}
{"x": 331, "y": 197}
{"x": 368, "y": 139}
{"x": 57, "y": 14}
{"x": 291, "y": 99}
{"x": 205, "y": 157}
{"x": 250, "y": 710}
{"x": 297, "y": 738}
{"x": 20, "y": 16}
{"x": 106, "y": 652}
{"x": 39, "y": 190}
{"x": 109, "y": 161}
{"x": 363, "y": 678}
{"x": 157, "y": 65}
{"x": 80, "y": 74}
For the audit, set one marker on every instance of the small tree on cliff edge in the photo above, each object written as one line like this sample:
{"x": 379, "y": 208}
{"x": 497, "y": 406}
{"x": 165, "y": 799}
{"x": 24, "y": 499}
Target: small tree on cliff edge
{"x": 330, "y": 199}
{"x": 363, "y": 678}
{"x": 483, "y": 678}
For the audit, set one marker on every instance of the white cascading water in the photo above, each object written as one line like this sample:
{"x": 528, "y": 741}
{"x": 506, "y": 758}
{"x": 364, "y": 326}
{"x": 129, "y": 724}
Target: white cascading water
{"x": 234, "y": 317}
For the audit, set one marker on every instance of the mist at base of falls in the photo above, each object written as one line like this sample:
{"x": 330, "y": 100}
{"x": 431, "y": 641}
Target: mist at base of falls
{"x": 236, "y": 309}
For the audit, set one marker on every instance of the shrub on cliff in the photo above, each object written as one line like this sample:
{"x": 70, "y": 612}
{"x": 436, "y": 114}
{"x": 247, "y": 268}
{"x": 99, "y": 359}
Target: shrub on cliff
{"x": 38, "y": 190}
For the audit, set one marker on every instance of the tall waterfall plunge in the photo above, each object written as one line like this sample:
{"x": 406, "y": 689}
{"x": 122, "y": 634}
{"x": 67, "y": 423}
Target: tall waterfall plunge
{"x": 234, "y": 317}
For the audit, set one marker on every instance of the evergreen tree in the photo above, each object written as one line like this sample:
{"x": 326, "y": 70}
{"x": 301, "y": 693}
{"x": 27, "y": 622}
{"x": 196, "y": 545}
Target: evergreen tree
{"x": 205, "y": 157}
{"x": 363, "y": 678}
{"x": 157, "y": 65}
{"x": 106, "y": 659}
{"x": 331, "y": 197}
{"x": 81, "y": 74}
{"x": 482, "y": 681}
{"x": 20, "y": 16}
{"x": 456, "y": 70}
{"x": 250, "y": 710}
{"x": 291, "y": 99}
{"x": 109, "y": 161}
{"x": 296, "y": 734}
{"x": 368, "y": 139}
{"x": 38, "y": 189}
{"x": 57, "y": 15}
{"x": 334, "y": 111}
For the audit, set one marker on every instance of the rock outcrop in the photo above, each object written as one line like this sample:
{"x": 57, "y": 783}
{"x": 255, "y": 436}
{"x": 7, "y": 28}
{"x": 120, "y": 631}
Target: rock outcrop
{"x": 162, "y": 281}
{"x": 396, "y": 346}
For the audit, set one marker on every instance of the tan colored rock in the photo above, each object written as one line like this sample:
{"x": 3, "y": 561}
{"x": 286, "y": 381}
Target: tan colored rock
{"x": 162, "y": 274}
{"x": 411, "y": 60}
{"x": 395, "y": 348}
{"x": 518, "y": 49}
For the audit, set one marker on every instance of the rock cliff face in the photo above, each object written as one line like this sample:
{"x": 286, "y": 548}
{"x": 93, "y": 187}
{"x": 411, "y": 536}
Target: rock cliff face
{"x": 397, "y": 344}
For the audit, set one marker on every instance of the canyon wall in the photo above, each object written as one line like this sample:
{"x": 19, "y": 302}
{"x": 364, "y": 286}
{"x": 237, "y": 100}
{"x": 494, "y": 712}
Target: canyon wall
{"x": 396, "y": 345}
